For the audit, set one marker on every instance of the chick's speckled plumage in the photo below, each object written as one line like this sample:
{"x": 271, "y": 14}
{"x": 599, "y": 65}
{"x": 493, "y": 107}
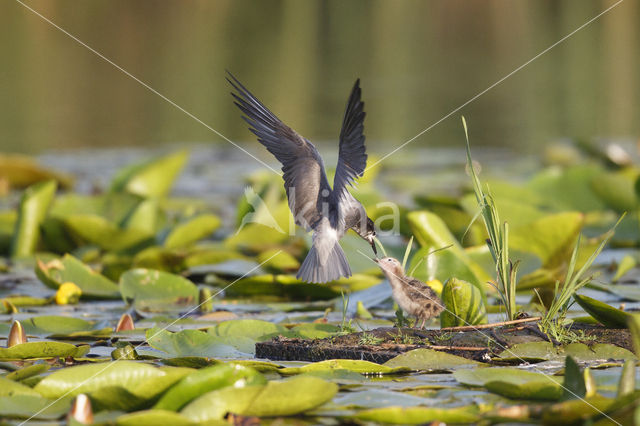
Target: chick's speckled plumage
{"x": 412, "y": 295}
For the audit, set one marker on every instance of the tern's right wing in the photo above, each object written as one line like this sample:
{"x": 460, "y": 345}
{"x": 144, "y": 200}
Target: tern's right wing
{"x": 304, "y": 175}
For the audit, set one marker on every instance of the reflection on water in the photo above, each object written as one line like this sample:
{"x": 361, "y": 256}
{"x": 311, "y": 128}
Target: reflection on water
{"x": 417, "y": 61}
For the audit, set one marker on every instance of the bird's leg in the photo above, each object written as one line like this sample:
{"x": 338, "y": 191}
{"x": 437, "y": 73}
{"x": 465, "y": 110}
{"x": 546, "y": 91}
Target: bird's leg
{"x": 424, "y": 321}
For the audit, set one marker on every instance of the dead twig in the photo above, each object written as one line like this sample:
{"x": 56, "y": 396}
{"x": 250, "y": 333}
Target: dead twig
{"x": 493, "y": 325}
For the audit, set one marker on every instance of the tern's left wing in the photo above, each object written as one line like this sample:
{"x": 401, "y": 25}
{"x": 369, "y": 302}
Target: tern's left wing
{"x": 352, "y": 158}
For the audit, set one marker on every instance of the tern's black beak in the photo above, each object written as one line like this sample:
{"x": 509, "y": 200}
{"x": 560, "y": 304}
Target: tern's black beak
{"x": 373, "y": 246}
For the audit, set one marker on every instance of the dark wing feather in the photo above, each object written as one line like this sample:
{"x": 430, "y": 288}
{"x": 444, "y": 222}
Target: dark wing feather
{"x": 352, "y": 159}
{"x": 304, "y": 175}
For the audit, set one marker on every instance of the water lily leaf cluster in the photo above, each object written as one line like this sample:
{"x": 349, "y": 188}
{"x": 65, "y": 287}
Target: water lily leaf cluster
{"x": 198, "y": 291}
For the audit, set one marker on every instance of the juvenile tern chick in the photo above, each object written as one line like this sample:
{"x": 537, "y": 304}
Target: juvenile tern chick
{"x": 412, "y": 295}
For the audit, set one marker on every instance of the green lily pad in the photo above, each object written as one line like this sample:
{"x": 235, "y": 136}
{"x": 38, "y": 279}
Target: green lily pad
{"x": 33, "y": 209}
{"x": 605, "y": 314}
{"x": 27, "y": 372}
{"x": 574, "y": 383}
{"x": 10, "y": 387}
{"x": 107, "y": 235}
{"x": 153, "y": 178}
{"x": 26, "y": 406}
{"x": 419, "y": 415}
{"x": 616, "y": 189}
{"x": 148, "y": 288}
{"x": 31, "y": 350}
{"x": 481, "y": 376}
{"x": 192, "y": 230}
{"x": 192, "y": 343}
{"x": 598, "y": 351}
{"x": 119, "y": 397}
{"x": 20, "y": 301}
{"x": 153, "y": 417}
{"x": 291, "y": 396}
{"x": 463, "y": 304}
{"x": 143, "y": 218}
{"x": 625, "y": 265}
{"x": 21, "y": 171}
{"x": 50, "y": 324}
{"x": 529, "y": 352}
{"x": 283, "y": 398}
{"x": 568, "y": 189}
{"x": 538, "y": 351}
{"x": 278, "y": 261}
{"x": 575, "y": 411}
{"x": 206, "y": 380}
{"x": 551, "y": 238}
{"x": 69, "y": 269}
{"x": 358, "y": 366}
{"x": 428, "y": 359}
{"x": 216, "y": 404}
{"x": 431, "y": 232}
{"x": 313, "y": 331}
{"x": 251, "y": 328}
{"x": 427, "y": 265}
{"x": 535, "y": 390}
{"x": 204, "y": 254}
{"x": 90, "y": 377}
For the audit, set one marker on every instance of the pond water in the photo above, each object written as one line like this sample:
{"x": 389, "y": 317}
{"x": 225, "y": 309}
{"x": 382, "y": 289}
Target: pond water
{"x": 417, "y": 62}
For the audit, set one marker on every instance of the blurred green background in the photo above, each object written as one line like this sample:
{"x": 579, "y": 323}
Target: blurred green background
{"x": 418, "y": 60}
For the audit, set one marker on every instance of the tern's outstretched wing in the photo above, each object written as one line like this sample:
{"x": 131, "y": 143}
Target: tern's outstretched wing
{"x": 352, "y": 159}
{"x": 304, "y": 175}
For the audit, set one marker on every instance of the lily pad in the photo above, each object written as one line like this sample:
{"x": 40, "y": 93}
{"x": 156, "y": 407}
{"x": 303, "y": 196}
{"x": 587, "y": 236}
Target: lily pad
{"x": 431, "y": 232}
{"x": 33, "y": 209}
{"x": 90, "y": 377}
{"x": 538, "y": 351}
{"x": 278, "y": 261}
{"x": 428, "y": 359}
{"x": 69, "y": 269}
{"x": 107, "y": 235}
{"x": 291, "y": 396}
{"x": 31, "y": 350}
{"x": 153, "y": 178}
{"x": 482, "y": 376}
{"x": 358, "y": 366}
{"x": 192, "y": 230}
{"x": 419, "y": 415}
{"x": 534, "y": 390}
{"x": 149, "y": 289}
{"x": 22, "y": 171}
{"x": 605, "y": 314}
{"x": 26, "y": 406}
{"x": 10, "y": 387}
{"x": 130, "y": 398}
{"x": 191, "y": 343}
{"x": 253, "y": 329}
{"x": 551, "y": 238}
{"x": 47, "y": 325}
{"x": 206, "y": 380}
{"x": 153, "y": 417}
{"x": 284, "y": 398}
{"x": 27, "y": 372}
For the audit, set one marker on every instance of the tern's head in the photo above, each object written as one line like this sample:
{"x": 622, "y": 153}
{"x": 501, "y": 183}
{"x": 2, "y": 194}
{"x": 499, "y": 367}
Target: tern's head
{"x": 370, "y": 234}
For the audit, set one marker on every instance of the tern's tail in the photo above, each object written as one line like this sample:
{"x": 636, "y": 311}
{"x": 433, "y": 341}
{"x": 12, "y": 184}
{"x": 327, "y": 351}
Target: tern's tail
{"x": 313, "y": 270}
